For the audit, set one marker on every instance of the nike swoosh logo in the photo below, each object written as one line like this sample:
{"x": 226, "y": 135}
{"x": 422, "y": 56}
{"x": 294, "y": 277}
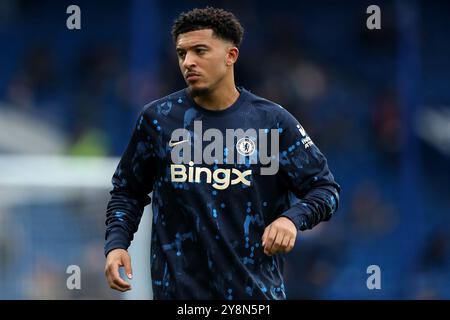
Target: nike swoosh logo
{"x": 173, "y": 144}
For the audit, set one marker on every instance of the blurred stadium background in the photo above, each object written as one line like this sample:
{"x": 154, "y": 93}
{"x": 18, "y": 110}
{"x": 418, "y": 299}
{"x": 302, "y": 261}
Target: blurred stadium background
{"x": 376, "y": 102}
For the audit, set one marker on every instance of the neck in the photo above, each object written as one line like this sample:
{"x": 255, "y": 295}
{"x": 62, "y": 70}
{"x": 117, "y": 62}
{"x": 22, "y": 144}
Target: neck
{"x": 219, "y": 98}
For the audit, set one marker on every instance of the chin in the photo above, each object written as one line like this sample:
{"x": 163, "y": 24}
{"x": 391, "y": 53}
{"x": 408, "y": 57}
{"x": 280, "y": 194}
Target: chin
{"x": 196, "y": 90}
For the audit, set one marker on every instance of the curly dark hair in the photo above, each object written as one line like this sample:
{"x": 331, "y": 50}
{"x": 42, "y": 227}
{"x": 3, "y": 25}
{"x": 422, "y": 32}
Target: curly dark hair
{"x": 223, "y": 23}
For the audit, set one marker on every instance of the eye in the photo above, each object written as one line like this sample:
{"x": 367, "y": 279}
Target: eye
{"x": 200, "y": 51}
{"x": 181, "y": 54}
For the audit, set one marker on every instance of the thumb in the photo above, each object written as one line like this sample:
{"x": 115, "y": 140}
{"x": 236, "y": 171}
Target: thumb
{"x": 127, "y": 265}
{"x": 266, "y": 232}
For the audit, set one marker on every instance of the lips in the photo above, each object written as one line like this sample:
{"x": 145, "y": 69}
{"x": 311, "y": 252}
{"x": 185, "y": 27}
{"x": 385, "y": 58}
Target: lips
{"x": 192, "y": 76}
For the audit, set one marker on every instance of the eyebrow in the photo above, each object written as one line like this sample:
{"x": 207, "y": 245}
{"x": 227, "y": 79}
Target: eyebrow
{"x": 193, "y": 47}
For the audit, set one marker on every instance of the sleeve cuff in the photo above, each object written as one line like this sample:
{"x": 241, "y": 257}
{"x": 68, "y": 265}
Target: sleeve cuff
{"x": 116, "y": 239}
{"x": 298, "y": 216}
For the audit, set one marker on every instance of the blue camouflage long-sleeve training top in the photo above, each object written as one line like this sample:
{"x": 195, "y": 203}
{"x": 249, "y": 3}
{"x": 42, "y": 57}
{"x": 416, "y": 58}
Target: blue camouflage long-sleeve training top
{"x": 218, "y": 179}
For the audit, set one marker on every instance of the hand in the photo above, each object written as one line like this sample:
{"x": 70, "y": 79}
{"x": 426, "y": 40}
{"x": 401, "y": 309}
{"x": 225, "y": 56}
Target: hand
{"x": 279, "y": 236}
{"x": 118, "y": 258}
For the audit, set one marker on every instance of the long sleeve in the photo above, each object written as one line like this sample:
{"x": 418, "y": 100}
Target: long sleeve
{"x": 305, "y": 172}
{"x": 132, "y": 182}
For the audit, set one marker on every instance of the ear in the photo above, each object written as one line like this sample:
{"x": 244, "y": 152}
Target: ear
{"x": 232, "y": 56}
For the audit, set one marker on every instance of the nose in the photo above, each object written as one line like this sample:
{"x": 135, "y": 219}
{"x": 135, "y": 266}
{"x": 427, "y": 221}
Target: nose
{"x": 189, "y": 61}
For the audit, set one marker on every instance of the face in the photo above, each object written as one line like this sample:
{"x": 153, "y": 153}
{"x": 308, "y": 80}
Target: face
{"x": 204, "y": 59}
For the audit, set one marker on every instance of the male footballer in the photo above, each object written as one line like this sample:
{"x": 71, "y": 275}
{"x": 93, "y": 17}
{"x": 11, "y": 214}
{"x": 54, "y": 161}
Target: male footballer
{"x": 223, "y": 165}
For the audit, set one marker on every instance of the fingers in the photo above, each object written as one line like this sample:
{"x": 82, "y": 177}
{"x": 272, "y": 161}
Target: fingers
{"x": 270, "y": 238}
{"x": 127, "y": 265}
{"x": 291, "y": 244}
{"x": 264, "y": 236}
{"x": 114, "y": 279}
{"x": 276, "y": 246}
{"x": 285, "y": 243}
{"x": 279, "y": 237}
{"x": 115, "y": 259}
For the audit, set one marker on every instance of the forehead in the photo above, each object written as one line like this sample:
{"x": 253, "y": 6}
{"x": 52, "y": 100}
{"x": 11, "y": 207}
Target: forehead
{"x": 192, "y": 38}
